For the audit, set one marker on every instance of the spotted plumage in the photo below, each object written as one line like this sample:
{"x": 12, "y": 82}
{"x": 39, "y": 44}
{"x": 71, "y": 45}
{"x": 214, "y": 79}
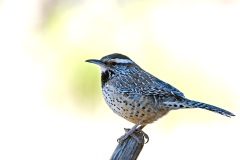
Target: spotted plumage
{"x": 138, "y": 96}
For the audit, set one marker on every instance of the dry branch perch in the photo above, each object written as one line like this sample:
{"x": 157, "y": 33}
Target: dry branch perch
{"x": 129, "y": 149}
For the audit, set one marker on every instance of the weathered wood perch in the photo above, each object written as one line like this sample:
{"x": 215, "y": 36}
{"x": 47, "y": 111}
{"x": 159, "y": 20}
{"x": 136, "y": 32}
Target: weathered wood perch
{"x": 129, "y": 149}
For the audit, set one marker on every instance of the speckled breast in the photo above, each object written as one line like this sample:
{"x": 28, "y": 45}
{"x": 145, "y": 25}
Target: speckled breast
{"x": 133, "y": 107}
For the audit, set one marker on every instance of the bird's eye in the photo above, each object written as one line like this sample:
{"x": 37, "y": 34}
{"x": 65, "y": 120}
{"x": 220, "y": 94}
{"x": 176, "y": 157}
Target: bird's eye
{"x": 113, "y": 63}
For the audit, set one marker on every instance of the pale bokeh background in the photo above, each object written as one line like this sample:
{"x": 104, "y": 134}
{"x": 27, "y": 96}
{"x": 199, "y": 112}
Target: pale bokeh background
{"x": 51, "y": 105}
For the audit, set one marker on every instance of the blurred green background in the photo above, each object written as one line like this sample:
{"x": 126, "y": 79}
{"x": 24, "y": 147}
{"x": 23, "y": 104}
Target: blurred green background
{"x": 51, "y": 102}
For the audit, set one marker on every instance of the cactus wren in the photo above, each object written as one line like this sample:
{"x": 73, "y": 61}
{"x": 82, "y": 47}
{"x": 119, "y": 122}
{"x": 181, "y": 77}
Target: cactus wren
{"x": 138, "y": 96}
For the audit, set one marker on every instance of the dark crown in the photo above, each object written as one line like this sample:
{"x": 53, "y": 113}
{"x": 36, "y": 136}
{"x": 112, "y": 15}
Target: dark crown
{"x": 115, "y": 56}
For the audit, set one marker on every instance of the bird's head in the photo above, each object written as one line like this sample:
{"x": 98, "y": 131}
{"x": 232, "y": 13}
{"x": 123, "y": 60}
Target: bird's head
{"x": 114, "y": 63}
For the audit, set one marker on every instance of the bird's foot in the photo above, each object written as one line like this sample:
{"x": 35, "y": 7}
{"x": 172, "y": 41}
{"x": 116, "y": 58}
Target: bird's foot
{"x": 132, "y": 132}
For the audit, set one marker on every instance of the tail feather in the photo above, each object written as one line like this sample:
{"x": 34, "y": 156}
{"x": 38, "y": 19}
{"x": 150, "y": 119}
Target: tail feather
{"x": 195, "y": 104}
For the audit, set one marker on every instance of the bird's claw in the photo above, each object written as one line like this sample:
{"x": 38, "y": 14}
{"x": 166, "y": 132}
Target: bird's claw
{"x": 132, "y": 134}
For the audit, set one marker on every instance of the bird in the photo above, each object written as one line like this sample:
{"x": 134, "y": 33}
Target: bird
{"x": 138, "y": 96}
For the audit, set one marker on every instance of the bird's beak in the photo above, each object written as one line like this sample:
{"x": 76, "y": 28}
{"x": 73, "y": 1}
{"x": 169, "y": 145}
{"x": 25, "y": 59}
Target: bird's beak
{"x": 97, "y": 62}
{"x": 103, "y": 66}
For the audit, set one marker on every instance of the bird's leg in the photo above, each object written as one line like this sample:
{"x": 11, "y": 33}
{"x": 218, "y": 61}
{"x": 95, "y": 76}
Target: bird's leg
{"x": 130, "y": 132}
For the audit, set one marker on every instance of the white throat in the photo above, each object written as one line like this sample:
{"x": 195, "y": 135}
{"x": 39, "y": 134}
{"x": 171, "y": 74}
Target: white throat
{"x": 102, "y": 69}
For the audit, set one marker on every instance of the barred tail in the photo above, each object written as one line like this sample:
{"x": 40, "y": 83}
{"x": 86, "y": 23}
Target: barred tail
{"x": 195, "y": 104}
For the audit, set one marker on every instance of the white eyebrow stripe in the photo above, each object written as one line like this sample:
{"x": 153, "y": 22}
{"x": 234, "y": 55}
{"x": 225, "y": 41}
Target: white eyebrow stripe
{"x": 118, "y": 60}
